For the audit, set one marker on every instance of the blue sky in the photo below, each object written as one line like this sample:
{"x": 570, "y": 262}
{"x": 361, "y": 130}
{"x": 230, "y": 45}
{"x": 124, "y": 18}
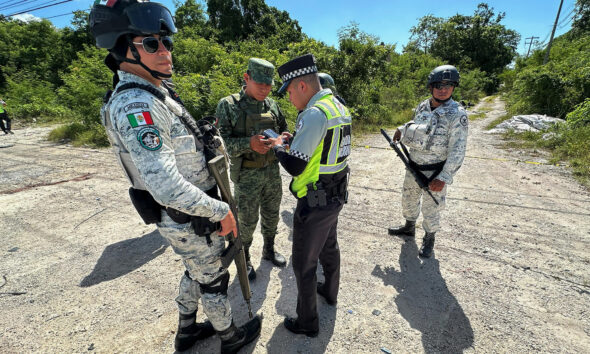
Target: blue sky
{"x": 390, "y": 20}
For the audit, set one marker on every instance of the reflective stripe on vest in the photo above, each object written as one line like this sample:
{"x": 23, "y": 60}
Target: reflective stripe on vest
{"x": 330, "y": 156}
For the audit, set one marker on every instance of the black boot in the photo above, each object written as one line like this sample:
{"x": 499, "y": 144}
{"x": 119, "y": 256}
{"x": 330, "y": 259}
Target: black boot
{"x": 189, "y": 331}
{"x": 427, "y": 245}
{"x": 269, "y": 253}
{"x": 409, "y": 229}
{"x": 249, "y": 267}
{"x": 233, "y": 338}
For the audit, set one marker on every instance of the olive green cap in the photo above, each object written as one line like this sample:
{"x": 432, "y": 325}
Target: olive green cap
{"x": 261, "y": 71}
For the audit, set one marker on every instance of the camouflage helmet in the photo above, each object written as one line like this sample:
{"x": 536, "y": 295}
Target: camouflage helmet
{"x": 326, "y": 80}
{"x": 111, "y": 19}
{"x": 443, "y": 73}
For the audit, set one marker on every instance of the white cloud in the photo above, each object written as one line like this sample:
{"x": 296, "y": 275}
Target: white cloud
{"x": 27, "y": 18}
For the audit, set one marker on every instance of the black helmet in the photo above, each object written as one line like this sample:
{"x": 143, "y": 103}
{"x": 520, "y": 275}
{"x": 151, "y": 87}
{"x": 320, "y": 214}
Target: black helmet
{"x": 110, "y": 19}
{"x": 444, "y": 73}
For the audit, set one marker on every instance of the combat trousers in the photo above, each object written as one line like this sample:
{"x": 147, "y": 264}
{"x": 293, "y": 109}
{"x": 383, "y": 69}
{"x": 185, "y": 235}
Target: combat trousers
{"x": 315, "y": 237}
{"x": 411, "y": 206}
{"x": 259, "y": 190}
{"x": 203, "y": 265}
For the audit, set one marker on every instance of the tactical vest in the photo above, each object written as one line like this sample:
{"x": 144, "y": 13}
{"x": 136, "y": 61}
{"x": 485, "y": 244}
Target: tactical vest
{"x": 253, "y": 123}
{"x": 330, "y": 157}
{"x": 211, "y": 144}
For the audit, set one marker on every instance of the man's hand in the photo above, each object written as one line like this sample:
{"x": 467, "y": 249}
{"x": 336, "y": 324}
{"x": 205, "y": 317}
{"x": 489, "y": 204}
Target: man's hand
{"x": 287, "y": 138}
{"x": 436, "y": 185}
{"x": 259, "y": 144}
{"x": 228, "y": 224}
{"x": 397, "y": 135}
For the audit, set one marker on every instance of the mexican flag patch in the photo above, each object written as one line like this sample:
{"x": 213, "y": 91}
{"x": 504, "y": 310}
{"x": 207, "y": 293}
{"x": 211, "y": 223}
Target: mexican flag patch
{"x": 109, "y": 3}
{"x": 139, "y": 119}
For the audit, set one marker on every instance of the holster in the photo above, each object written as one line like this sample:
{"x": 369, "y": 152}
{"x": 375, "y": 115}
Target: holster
{"x": 146, "y": 206}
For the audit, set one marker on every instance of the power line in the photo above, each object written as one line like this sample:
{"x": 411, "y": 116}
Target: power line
{"x": 69, "y": 13}
{"x": 16, "y": 3}
{"x": 38, "y": 8}
{"x": 37, "y": 5}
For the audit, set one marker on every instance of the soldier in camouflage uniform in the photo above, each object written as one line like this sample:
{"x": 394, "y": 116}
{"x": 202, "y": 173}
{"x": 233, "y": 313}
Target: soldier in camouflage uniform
{"x": 165, "y": 161}
{"x": 327, "y": 81}
{"x": 242, "y": 117}
{"x": 437, "y": 137}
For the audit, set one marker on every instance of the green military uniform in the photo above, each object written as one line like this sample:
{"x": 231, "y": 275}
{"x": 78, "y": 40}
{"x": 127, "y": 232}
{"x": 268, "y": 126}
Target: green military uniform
{"x": 256, "y": 177}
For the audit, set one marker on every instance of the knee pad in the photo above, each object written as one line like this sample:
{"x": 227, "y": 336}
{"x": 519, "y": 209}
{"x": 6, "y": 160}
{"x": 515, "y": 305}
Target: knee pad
{"x": 217, "y": 286}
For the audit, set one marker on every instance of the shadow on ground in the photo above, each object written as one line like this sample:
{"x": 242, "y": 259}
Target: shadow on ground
{"x": 124, "y": 257}
{"x": 426, "y": 303}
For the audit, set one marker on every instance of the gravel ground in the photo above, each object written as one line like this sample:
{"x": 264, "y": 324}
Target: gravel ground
{"x": 80, "y": 272}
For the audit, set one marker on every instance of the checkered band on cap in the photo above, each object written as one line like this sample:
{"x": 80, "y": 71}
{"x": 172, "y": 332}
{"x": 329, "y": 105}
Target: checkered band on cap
{"x": 299, "y": 72}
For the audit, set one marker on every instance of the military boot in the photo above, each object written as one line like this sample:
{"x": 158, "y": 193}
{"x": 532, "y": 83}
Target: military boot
{"x": 189, "y": 331}
{"x": 249, "y": 267}
{"x": 408, "y": 230}
{"x": 269, "y": 253}
{"x": 234, "y": 338}
{"x": 427, "y": 245}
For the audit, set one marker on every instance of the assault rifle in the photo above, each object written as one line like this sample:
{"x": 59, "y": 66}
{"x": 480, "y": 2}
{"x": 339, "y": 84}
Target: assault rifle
{"x": 235, "y": 250}
{"x": 418, "y": 176}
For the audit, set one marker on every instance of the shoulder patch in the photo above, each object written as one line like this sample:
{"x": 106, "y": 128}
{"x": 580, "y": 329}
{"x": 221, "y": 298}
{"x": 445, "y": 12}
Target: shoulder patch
{"x": 136, "y": 106}
{"x": 140, "y": 118}
{"x": 464, "y": 121}
{"x": 149, "y": 138}
{"x": 299, "y": 125}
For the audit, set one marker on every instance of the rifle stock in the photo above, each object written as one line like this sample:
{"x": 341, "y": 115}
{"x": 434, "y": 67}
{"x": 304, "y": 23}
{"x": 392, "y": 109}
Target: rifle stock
{"x": 420, "y": 178}
{"x": 218, "y": 168}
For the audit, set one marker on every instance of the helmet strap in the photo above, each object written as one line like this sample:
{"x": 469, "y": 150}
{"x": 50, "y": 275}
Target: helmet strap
{"x": 156, "y": 74}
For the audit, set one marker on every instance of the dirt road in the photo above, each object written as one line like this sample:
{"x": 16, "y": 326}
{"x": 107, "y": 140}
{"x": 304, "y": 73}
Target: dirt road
{"x": 79, "y": 272}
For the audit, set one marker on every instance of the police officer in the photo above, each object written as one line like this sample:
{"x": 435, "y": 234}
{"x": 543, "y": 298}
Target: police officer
{"x": 317, "y": 160}
{"x": 328, "y": 82}
{"x": 4, "y": 119}
{"x": 156, "y": 143}
{"x": 254, "y": 169}
{"x": 437, "y": 137}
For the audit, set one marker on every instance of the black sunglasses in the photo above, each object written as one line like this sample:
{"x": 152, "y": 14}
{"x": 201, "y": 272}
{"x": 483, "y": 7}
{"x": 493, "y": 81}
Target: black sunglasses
{"x": 440, "y": 85}
{"x": 151, "y": 44}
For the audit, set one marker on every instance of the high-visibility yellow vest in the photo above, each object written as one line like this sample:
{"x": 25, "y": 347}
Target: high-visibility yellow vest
{"x": 330, "y": 157}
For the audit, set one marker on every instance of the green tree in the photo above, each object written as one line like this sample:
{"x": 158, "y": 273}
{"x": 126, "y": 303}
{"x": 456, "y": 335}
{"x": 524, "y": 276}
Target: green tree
{"x": 241, "y": 19}
{"x": 581, "y": 22}
{"x": 469, "y": 42}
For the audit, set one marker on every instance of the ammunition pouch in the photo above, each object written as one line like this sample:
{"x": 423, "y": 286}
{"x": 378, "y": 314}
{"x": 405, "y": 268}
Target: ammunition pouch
{"x": 146, "y": 206}
{"x": 234, "y": 168}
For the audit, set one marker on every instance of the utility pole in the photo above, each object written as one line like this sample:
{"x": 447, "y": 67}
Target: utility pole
{"x": 552, "y": 33}
{"x": 532, "y": 38}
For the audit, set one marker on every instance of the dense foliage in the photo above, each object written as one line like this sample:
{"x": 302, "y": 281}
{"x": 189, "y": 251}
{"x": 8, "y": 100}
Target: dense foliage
{"x": 470, "y": 42}
{"x": 559, "y": 88}
{"x": 53, "y": 74}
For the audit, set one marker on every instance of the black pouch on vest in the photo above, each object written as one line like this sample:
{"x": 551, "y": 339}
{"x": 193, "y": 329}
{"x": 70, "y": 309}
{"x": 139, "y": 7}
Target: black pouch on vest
{"x": 146, "y": 205}
{"x": 316, "y": 197}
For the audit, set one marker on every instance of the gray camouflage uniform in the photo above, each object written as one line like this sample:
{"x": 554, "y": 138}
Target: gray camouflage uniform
{"x": 168, "y": 166}
{"x": 445, "y": 138}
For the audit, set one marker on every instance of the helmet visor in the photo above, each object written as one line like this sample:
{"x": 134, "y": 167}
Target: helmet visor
{"x": 148, "y": 18}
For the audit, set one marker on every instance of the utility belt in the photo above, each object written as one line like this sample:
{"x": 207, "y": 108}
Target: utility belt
{"x": 324, "y": 194}
{"x": 151, "y": 212}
